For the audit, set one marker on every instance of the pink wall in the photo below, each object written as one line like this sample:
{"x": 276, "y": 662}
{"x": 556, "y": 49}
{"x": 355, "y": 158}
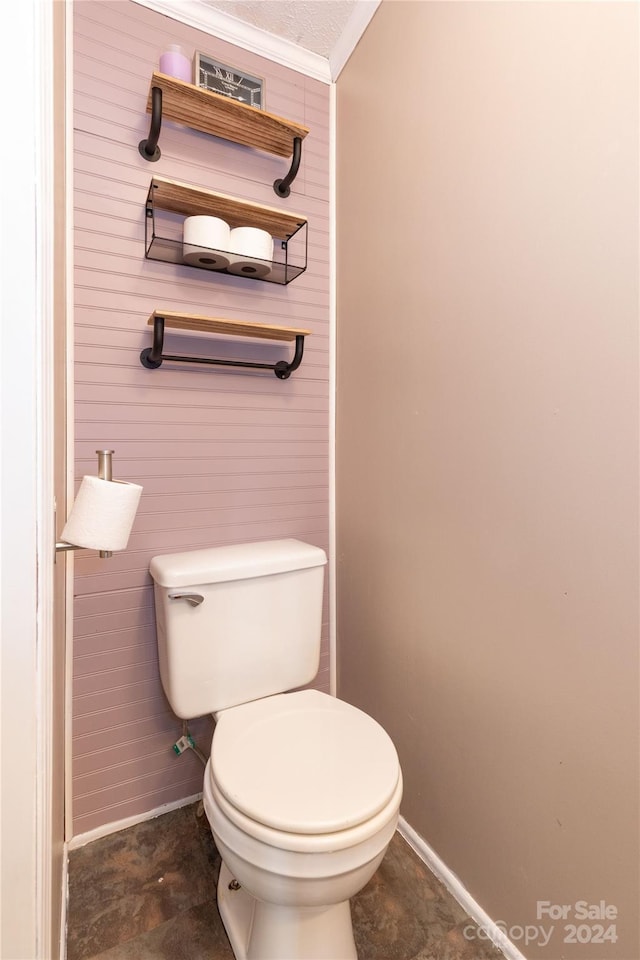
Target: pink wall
{"x": 223, "y": 456}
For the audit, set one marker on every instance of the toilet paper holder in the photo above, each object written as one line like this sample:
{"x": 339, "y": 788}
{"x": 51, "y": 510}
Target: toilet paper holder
{"x": 105, "y": 472}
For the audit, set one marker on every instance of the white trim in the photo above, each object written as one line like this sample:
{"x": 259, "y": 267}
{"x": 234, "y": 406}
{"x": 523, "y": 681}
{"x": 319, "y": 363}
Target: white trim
{"x": 68, "y": 558}
{"x": 26, "y": 229}
{"x": 458, "y": 891}
{"x": 64, "y": 904}
{"x": 244, "y": 35}
{"x": 83, "y": 838}
{"x": 45, "y": 517}
{"x": 350, "y": 37}
{"x": 333, "y": 277}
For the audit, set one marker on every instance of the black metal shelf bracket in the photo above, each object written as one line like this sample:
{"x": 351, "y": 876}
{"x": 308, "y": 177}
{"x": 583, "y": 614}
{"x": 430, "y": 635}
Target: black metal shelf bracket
{"x": 149, "y": 148}
{"x": 153, "y": 357}
{"x": 283, "y": 187}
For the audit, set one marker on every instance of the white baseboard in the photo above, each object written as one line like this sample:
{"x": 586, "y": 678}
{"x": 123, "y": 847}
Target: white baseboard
{"x": 458, "y": 891}
{"x": 64, "y": 904}
{"x": 83, "y": 838}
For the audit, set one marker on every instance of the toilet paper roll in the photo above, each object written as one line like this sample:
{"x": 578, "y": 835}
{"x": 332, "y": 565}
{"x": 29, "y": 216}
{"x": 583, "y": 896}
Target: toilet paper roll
{"x": 205, "y": 242}
{"x": 251, "y": 252}
{"x": 102, "y": 514}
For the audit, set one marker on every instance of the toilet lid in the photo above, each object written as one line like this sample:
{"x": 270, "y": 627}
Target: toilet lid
{"x": 303, "y": 762}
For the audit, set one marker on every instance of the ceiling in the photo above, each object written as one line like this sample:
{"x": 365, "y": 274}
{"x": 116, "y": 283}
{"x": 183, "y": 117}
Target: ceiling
{"x": 315, "y": 25}
{"x": 314, "y": 37}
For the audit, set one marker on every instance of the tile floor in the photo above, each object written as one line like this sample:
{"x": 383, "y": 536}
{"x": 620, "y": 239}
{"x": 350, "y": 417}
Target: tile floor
{"x": 148, "y": 893}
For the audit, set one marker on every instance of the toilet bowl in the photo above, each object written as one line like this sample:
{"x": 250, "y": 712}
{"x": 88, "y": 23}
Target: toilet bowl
{"x": 299, "y": 831}
{"x": 302, "y": 790}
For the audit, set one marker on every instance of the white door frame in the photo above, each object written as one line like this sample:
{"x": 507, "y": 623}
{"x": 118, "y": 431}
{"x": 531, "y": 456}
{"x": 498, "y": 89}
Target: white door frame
{"x": 27, "y": 532}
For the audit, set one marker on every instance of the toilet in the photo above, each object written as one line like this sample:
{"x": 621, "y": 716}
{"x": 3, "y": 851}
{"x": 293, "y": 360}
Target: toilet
{"x": 302, "y": 790}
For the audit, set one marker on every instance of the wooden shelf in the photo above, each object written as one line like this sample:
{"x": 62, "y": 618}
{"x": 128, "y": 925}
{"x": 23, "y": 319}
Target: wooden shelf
{"x": 179, "y": 197}
{"x": 223, "y": 117}
{"x": 173, "y": 197}
{"x": 235, "y": 328}
{"x": 152, "y": 357}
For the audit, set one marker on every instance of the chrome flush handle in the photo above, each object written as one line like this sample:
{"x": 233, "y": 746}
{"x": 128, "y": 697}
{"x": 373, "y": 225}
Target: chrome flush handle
{"x": 195, "y": 599}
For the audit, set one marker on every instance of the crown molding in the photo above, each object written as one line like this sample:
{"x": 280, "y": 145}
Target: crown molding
{"x": 348, "y": 40}
{"x": 193, "y": 13}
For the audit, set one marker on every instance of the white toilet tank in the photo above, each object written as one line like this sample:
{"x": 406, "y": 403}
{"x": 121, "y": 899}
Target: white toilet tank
{"x": 237, "y": 623}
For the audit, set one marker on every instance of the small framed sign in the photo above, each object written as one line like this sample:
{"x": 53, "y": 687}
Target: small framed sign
{"x": 228, "y": 81}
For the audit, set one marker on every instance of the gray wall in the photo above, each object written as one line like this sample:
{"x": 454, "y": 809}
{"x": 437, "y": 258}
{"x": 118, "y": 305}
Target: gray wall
{"x": 488, "y": 439}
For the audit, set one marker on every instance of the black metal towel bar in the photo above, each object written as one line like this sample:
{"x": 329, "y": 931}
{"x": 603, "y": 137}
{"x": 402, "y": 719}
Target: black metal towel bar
{"x": 152, "y": 357}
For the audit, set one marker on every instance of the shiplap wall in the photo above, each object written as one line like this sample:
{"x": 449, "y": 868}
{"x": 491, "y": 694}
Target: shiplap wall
{"x": 223, "y": 456}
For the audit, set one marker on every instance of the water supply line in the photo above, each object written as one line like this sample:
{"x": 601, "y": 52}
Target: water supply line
{"x": 186, "y": 742}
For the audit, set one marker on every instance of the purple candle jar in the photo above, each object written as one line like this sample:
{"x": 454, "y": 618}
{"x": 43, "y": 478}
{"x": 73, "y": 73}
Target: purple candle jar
{"x": 175, "y": 64}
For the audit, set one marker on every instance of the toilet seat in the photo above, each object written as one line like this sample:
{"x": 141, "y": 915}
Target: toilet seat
{"x": 334, "y": 769}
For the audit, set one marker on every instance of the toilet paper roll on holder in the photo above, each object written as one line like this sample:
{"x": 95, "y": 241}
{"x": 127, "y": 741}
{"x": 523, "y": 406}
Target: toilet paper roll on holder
{"x": 105, "y": 472}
